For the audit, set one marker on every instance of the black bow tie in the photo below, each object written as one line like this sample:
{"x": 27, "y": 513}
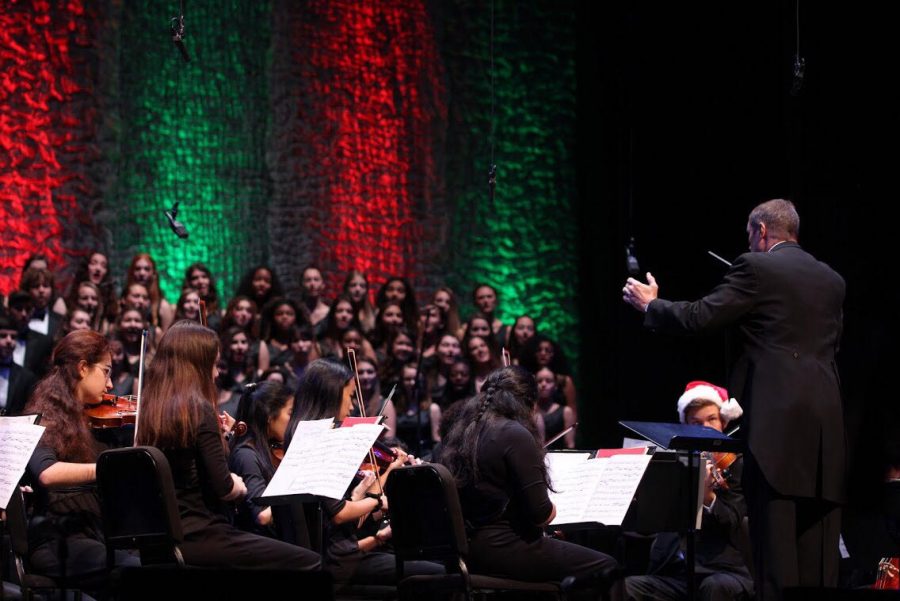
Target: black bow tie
{"x": 39, "y": 314}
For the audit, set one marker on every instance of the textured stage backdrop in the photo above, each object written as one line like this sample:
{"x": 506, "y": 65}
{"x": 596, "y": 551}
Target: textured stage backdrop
{"x": 341, "y": 133}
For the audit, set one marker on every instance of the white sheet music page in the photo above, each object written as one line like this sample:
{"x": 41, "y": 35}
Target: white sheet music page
{"x": 18, "y": 438}
{"x": 594, "y": 490}
{"x": 322, "y": 461}
{"x": 615, "y": 488}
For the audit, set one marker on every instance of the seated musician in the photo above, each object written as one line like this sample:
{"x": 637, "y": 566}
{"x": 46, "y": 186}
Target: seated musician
{"x": 63, "y": 471}
{"x": 255, "y": 455}
{"x": 720, "y": 569}
{"x": 326, "y": 391}
{"x": 178, "y": 416}
{"x": 493, "y": 451}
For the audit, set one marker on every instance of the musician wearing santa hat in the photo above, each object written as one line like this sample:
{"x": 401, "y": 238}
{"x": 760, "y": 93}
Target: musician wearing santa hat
{"x": 720, "y": 568}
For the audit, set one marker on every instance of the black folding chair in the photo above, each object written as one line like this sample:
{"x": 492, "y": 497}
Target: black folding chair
{"x": 140, "y": 510}
{"x": 427, "y": 524}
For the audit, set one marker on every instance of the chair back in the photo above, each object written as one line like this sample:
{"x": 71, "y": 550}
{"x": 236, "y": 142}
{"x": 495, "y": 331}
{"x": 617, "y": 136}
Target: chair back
{"x": 426, "y": 519}
{"x": 140, "y": 509}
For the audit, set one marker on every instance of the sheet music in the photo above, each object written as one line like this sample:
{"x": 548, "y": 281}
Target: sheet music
{"x": 594, "y": 490}
{"x": 18, "y": 438}
{"x": 322, "y": 461}
{"x": 22, "y": 419}
{"x": 616, "y": 488}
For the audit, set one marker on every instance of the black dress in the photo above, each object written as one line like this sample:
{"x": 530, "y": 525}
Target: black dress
{"x": 554, "y": 423}
{"x": 201, "y": 479}
{"x": 504, "y": 510}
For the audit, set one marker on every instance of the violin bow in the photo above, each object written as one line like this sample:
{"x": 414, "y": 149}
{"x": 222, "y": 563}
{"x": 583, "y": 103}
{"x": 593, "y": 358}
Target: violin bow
{"x": 351, "y": 360}
{"x": 560, "y": 435}
{"x": 386, "y": 401}
{"x": 140, "y": 385}
{"x": 354, "y": 367}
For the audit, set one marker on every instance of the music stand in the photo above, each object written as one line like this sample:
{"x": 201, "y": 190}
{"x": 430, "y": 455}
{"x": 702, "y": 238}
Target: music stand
{"x": 694, "y": 440}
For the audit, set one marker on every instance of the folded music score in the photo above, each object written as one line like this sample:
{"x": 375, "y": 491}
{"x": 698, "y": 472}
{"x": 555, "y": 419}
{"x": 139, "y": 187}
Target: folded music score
{"x": 595, "y": 487}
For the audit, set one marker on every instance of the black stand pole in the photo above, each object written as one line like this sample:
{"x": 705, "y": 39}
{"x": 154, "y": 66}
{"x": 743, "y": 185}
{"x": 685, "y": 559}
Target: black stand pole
{"x": 694, "y": 458}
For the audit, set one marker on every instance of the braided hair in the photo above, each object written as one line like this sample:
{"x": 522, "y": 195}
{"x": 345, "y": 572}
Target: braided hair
{"x": 508, "y": 393}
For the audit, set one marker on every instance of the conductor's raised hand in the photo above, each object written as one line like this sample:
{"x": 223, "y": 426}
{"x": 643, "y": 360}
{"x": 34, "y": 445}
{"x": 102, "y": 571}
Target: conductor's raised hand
{"x": 638, "y": 295}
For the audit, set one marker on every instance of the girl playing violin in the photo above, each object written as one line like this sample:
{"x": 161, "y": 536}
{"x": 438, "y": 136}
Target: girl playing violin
{"x": 178, "y": 415}
{"x": 63, "y": 467}
{"x": 326, "y": 391}
{"x": 255, "y": 456}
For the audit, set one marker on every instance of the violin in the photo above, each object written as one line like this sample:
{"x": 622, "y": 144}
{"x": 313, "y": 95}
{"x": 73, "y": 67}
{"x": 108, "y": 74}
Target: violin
{"x": 276, "y": 450}
{"x": 112, "y": 411}
{"x": 888, "y": 574}
{"x": 720, "y": 468}
{"x": 382, "y": 456}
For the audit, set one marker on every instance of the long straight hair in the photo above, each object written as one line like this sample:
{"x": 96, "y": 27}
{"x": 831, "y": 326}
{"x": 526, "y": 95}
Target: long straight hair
{"x": 319, "y": 393}
{"x": 156, "y": 295}
{"x": 54, "y": 398}
{"x": 180, "y": 386}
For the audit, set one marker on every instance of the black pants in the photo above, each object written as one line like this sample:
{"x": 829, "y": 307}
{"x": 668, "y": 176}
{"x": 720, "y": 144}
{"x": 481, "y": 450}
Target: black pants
{"x": 497, "y": 550}
{"x": 381, "y": 569}
{"x": 224, "y": 546}
{"x": 720, "y": 586}
{"x": 85, "y": 564}
{"x": 794, "y": 539}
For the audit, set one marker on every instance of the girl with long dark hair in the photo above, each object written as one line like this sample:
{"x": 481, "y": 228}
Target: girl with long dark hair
{"x": 266, "y": 411}
{"x": 494, "y": 451}
{"x": 326, "y": 391}
{"x": 178, "y": 415}
{"x": 63, "y": 468}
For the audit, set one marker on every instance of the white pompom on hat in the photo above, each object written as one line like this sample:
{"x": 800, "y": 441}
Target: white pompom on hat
{"x": 698, "y": 389}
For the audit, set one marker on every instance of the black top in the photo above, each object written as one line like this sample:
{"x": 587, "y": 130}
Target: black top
{"x": 414, "y": 429}
{"x": 785, "y": 308}
{"x": 246, "y": 463}
{"x": 719, "y": 540}
{"x": 554, "y": 423}
{"x": 510, "y": 484}
{"x": 201, "y": 477}
{"x": 79, "y": 504}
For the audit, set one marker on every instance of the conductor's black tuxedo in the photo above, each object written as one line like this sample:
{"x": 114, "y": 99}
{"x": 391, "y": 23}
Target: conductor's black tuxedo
{"x": 786, "y": 309}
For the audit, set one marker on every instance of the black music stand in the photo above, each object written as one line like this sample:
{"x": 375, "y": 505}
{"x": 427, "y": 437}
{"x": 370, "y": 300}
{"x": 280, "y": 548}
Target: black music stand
{"x": 694, "y": 440}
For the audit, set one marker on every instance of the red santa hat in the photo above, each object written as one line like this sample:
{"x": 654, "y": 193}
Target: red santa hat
{"x": 700, "y": 390}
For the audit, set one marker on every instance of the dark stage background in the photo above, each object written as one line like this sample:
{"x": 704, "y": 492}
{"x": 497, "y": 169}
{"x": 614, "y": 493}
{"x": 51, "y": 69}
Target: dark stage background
{"x": 686, "y": 121}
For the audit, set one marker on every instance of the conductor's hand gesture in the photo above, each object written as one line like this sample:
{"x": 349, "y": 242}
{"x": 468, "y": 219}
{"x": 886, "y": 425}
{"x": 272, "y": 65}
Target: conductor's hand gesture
{"x": 638, "y": 295}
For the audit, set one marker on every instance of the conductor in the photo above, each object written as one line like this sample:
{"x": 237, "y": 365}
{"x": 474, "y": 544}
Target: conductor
{"x": 786, "y": 310}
